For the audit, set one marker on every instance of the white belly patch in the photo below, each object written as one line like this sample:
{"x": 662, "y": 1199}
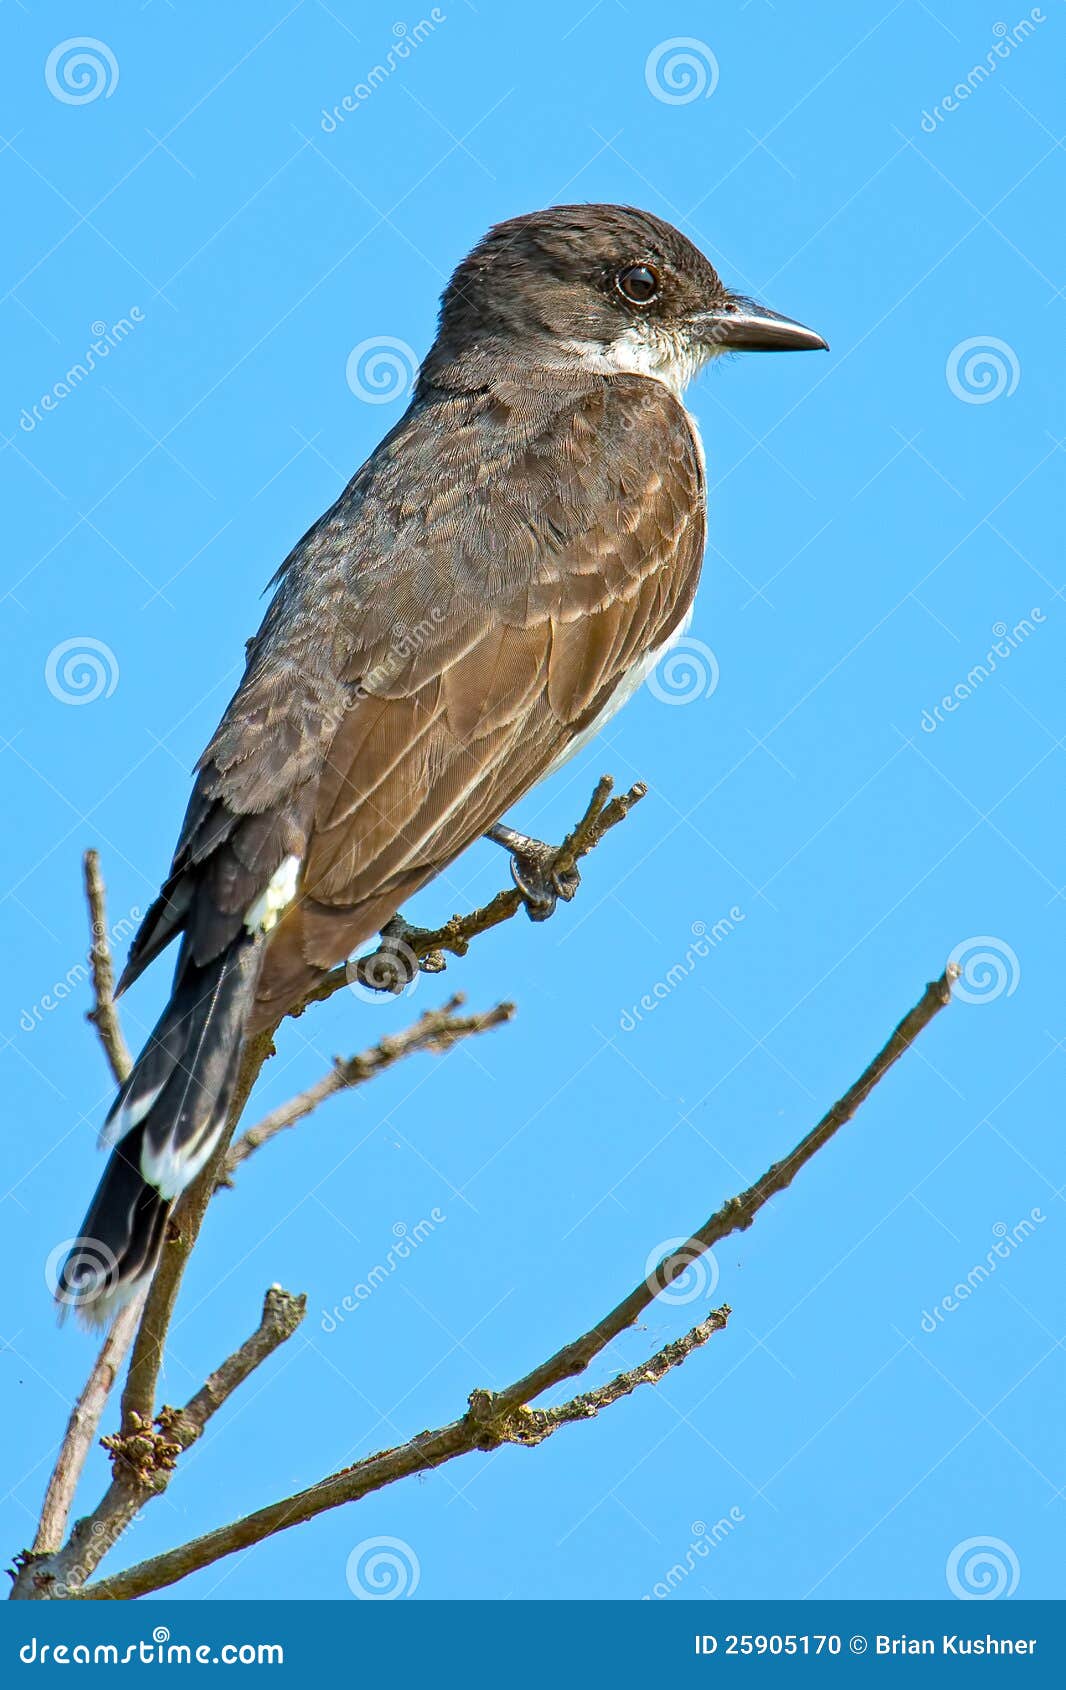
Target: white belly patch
{"x": 630, "y": 683}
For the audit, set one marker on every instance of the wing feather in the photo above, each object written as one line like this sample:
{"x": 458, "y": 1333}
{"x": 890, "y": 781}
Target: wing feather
{"x": 436, "y": 642}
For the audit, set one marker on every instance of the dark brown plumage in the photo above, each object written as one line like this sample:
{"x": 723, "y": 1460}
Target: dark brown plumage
{"x": 486, "y": 585}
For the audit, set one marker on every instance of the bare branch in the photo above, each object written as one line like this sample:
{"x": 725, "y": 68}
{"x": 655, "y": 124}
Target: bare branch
{"x": 428, "y": 944}
{"x": 148, "y": 1445}
{"x": 103, "y": 1015}
{"x": 81, "y": 1430}
{"x": 183, "y": 1229}
{"x": 138, "y": 1398}
{"x": 738, "y": 1213}
{"x": 504, "y": 1416}
{"x": 282, "y": 1314}
{"x": 437, "y": 1030}
{"x": 530, "y": 1426}
{"x": 85, "y": 1416}
{"x": 137, "y": 1454}
{"x": 144, "y": 1458}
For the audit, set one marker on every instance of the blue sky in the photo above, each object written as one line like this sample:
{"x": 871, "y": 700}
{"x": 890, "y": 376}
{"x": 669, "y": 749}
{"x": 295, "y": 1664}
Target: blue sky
{"x": 878, "y": 518}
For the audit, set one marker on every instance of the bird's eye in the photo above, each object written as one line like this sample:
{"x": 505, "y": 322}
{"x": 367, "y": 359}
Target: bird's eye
{"x": 638, "y": 283}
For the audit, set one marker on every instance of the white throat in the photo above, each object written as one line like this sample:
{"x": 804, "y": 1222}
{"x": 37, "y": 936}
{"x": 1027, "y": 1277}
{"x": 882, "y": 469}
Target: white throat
{"x": 641, "y": 351}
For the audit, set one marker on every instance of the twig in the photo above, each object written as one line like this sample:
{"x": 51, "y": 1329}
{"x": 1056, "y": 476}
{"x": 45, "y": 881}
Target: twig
{"x": 437, "y": 1030}
{"x": 481, "y": 1428}
{"x": 282, "y": 1314}
{"x": 183, "y": 1229}
{"x": 427, "y": 945}
{"x": 138, "y": 1398}
{"x": 738, "y": 1213}
{"x": 144, "y": 1458}
{"x": 504, "y": 1416}
{"x": 103, "y": 1015}
{"x": 85, "y": 1416}
{"x": 81, "y": 1430}
{"x": 142, "y": 1453}
{"x": 530, "y": 1426}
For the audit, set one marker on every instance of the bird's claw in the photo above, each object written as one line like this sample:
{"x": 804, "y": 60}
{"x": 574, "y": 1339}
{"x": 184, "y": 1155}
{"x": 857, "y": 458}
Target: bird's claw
{"x": 540, "y": 881}
{"x": 536, "y": 871}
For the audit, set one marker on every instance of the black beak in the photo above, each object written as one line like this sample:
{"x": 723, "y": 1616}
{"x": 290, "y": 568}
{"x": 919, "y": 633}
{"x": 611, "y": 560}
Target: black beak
{"x": 739, "y": 325}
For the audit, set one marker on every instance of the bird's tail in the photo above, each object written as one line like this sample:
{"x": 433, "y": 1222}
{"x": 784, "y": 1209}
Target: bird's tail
{"x": 163, "y": 1127}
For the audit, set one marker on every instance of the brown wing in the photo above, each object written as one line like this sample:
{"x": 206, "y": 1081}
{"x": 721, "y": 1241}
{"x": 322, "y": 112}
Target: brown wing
{"x": 538, "y": 581}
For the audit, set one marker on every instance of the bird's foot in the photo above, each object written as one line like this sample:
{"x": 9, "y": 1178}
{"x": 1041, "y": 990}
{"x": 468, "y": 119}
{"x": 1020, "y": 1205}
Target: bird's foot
{"x": 536, "y": 871}
{"x": 402, "y": 955}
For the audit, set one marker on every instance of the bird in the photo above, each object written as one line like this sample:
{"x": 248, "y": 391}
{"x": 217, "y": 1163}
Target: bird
{"x": 494, "y": 582}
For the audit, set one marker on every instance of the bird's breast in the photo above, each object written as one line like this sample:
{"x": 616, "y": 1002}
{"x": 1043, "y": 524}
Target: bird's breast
{"x": 629, "y": 684}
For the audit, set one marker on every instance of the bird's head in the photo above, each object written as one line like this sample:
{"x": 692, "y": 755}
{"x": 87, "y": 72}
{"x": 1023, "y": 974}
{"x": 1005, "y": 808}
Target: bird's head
{"x": 605, "y": 287}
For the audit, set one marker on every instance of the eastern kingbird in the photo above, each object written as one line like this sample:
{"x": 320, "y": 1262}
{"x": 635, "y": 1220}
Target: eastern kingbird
{"x": 493, "y": 583}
